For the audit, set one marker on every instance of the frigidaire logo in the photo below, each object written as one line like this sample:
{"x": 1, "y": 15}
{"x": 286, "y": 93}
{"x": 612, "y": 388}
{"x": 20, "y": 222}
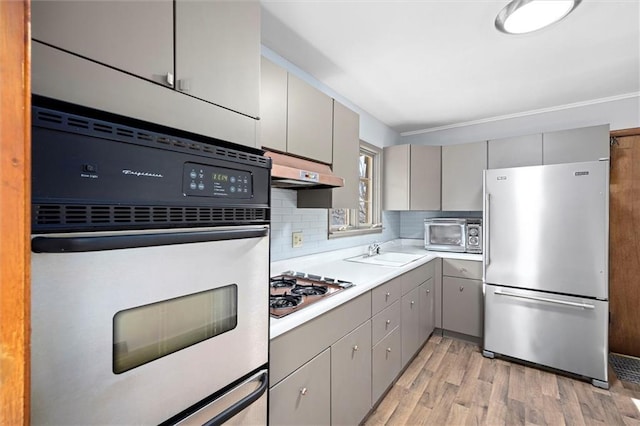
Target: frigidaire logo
{"x": 144, "y": 174}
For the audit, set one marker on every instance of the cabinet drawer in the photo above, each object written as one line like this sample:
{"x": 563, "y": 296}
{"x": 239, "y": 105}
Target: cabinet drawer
{"x": 386, "y": 363}
{"x": 303, "y": 398}
{"x": 292, "y": 349}
{"x": 462, "y": 307}
{"x": 385, "y": 321}
{"x": 417, "y": 276}
{"x": 385, "y": 295}
{"x": 462, "y": 268}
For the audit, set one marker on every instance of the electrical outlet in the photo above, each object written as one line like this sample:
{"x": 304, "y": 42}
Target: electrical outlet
{"x": 296, "y": 239}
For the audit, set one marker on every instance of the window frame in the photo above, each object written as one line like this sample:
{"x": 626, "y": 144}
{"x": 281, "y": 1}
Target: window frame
{"x": 354, "y": 227}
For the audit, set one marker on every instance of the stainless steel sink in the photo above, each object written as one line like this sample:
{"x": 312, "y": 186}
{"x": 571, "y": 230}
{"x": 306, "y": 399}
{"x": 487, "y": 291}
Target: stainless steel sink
{"x": 386, "y": 259}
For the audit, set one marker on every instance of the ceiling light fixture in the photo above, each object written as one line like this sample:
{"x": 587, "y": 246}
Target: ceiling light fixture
{"x": 525, "y": 16}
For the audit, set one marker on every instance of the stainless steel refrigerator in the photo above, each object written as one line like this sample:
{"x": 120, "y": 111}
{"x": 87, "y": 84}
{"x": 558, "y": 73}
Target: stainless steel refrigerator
{"x": 546, "y": 274}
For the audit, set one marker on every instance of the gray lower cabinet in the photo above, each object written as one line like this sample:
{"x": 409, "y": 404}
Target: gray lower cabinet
{"x": 462, "y": 306}
{"x": 462, "y": 299}
{"x": 410, "y": 325}
{"x": 462, "y": 167}
{"x": 575, "y": 145}
{"x": 351, "y": 376}
{"x": 387, "y": 363}
{"x": 303, "y": 398}
{"x": 427, "y": 309}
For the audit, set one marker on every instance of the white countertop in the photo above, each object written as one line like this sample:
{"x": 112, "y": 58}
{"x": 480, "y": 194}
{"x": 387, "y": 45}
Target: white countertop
{"x": 364, "y": 276}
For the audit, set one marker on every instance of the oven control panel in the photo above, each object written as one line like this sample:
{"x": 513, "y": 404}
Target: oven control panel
{"x": 210, "y": 181}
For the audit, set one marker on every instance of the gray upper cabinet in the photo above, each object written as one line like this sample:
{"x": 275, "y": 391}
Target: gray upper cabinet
{"x": 575, "y": 145}
{"x": 309, "y": 121}
{"x": 462, "y": 167}
{"x": 273, "y": 106}
{"x": 218, "y": 52}
{"x": 411, "y": 177}
{"x": 111, "y": 33}
{"x": 346, "y": 151}
{"x": 515, "y": 152}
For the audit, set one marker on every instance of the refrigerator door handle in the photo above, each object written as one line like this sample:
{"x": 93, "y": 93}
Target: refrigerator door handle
{"x": 545, "y": 299}
{"x": 486, "y": 224}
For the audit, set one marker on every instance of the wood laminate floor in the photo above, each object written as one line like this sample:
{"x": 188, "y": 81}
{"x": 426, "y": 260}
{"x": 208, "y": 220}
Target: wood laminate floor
{"x": 451, "y": 383}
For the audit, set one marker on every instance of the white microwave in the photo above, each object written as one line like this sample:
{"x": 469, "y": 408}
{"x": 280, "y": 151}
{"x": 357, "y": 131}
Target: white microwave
{"x": 458, "y": 235}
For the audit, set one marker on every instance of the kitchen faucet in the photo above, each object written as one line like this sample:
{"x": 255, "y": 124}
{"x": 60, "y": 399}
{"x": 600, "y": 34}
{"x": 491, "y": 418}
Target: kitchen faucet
{"x": 374, "y": 248}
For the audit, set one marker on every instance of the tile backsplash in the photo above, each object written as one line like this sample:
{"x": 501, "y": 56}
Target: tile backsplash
{"x": 286, "y": 218}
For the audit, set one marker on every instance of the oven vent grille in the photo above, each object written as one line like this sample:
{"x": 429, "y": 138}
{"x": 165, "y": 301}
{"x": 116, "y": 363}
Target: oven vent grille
{"x": 58, "y": 217}
{"x": 88, "y": 126}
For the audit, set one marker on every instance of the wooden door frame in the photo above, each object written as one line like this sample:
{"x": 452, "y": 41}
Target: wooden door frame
{"x": 15, "y": 210}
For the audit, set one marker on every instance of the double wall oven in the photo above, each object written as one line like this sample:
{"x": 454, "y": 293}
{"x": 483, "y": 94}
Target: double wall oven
{"x": 150, "y": 272}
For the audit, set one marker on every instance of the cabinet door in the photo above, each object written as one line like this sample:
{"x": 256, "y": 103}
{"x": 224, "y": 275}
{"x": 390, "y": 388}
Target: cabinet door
{"x": 303, "y": 398}
{"x": 424, "y": 181}
{"x": 515, "y": 152}
{"x": 346, "y": 152}
{"x": 351, "y": 375}
{"x": 462, "y": 167}
{"x": 133, "y": 36}
{"x": 462, "y": 309}
{"x": 273, "y": 106}
{"x": 387, "y": 361}
{"x": 395, "y": 192}
{"x": 427, "y": 309}
{"x": 309, "y": 121}
{"x": 218, "y": 52}
{"x": 410, "y": 324}
{"x": 575, "y": 145}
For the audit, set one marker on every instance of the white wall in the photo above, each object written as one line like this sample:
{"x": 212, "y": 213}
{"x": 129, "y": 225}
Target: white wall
{"x": 620, "y": 112}
{"x": 372, "y": 130}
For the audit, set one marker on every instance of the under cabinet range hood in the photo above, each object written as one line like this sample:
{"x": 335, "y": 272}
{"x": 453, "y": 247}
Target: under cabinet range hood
{"x": 297, "y": 173}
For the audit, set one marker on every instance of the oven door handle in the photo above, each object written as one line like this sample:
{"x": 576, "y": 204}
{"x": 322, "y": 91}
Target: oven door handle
{"x": 242, "y": 404}
{"x": 118, "y": 242}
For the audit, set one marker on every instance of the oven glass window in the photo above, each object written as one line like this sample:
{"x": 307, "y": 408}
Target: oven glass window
{"x": 146, "y": 333}
{"x": 446, "y": 234}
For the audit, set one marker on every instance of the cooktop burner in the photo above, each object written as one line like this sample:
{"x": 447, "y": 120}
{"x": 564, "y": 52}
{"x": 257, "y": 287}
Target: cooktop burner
{"x": 292, "y": 291}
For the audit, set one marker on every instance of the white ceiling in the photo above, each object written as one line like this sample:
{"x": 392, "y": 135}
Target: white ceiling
{"x": 424, "y": 64}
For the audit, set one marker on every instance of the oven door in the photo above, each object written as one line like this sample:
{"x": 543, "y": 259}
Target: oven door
{"x": 133, "y": 328}
{"x": 445, "y": 234}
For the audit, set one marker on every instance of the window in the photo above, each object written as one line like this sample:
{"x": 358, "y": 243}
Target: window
{"x": 367, "y": 218}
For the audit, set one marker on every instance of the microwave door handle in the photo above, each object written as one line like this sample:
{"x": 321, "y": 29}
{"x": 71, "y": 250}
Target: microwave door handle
{"x": 118, "y": 242}
{"x": 241, "y": 404}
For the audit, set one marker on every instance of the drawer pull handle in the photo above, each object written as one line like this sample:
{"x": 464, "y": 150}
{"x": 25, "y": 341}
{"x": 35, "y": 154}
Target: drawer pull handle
{"x": 428, "y": 291}
{"x": 303, "y": 391}
{"x": 461, "y": 288}
{"x": 388, "y": 349}
{"x": 412, "y": 303}
{"x": 388, "y": 322}
{"x": 463, "y": 270}
{"x": 355, "y": 348}
{"x": 387, "y": 295}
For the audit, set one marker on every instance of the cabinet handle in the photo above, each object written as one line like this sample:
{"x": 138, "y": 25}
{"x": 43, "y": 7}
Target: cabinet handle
{"x": 184, "y": 84}
{"x": 355, "y": 348}
{"x": 461, "y": 288}
{"x": 428, "y": 291}
{"x": 388, "y": 349}
{"x": 412, "y": 303}
{"x": 303, "y": 391}
{"x": 463, "y": 270}
{"x": 387, "y": 295}
{"x": 170, "y": 79}
{"x": 388, "y": 322}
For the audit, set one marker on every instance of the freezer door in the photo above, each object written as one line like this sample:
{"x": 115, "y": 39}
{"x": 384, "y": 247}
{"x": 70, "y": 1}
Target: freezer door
{"x": 562, "y": 332}
{"x": 547, "y": 228}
